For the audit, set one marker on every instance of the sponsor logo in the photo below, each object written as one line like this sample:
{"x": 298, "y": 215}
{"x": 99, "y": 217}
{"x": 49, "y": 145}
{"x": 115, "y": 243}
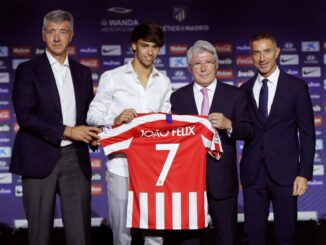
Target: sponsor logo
{"x": 292, "y": 71}
{"x": 317, "y": 157}
{"x": 289, "y": 59}
{"x": 96, "y": 163}
{"x": 4, "y": 140}
{"x": 224, "y": 73}
{"x": 223, "y": 47}
{"x": 178, "y": 49}
{"x": 317, "y": 108}
{"x": 158, "y": 62}
{"x": 310, "y": 46}
{"x": 127, "y": 59}
{"x": 4, "y": 77}
{"x": 5, "y": 178}
{"x": 178, "y": 62}
{"x": 311, "y": 71}
{"x": 18, "y": 191}
{"x": 90, "y": 62}
{"x": 5, "y": 191}
{"x": 162, "y": 50}
{"x": 244, "y": 60}
{"x": 118, "y": 25}
{"x": 95, "y": 76}
{"x": 179, "y": 75}
{"x": 318, "y": 120}
{"x": 97, "y": 189}
{"x": 315, "y": 96}
{"x": 311, "y": 59}
{"x": 312, "y": 84}
{"x": 324, "y": 59}
{"x": 39, "y": 51}
{"x": 3, "y": 65}
{"x": 289, "y": 47}
{"x": 319, "y": 144}
{"x": 4, "y": 115}
{"x": 96, "y": 177}
{"x": 324, "y": 46}
{"x": 225, "y": 61}
{"x": 88, "y": 50}
{"x": 21, "y": 51}
{"x": 243, "y": 47}
{"x": 4, "y": 90}
{"x": 72, "y": 50}
{"x": 179, "y": 13}
{"x": 16, "y": 62}
{"x": 229, "y": 82}
{"x": 316, "y": 182}
{"x": 318, "y": 132}
{"x": 318, "y": 170}
{"x": 111, "y": 63}
{"x": 4, "y": 51}
{"x": 325, "y": 84}
{"x": 246, "y": 73}
{"x": 4, "y": 165}
{"x": 5, "y": 152}
{"x": 118, "y": 10}
{"x": 110, "y": 50}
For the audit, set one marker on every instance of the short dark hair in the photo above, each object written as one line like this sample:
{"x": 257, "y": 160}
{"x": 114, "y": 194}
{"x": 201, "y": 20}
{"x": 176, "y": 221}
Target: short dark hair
{"x": 263, "y": 35}
{"x": 149, "y": 32}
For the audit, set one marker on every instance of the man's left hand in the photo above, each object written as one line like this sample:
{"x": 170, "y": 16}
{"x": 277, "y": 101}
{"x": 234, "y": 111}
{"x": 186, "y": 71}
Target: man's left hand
{"x": 300, "y": 186}
{"x": 219, "y": 121}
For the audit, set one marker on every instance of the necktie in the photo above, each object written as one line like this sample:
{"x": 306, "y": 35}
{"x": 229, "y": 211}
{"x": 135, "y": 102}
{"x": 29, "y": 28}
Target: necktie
{"x": 263, "y": 100}
{"x": 205, "y": 103}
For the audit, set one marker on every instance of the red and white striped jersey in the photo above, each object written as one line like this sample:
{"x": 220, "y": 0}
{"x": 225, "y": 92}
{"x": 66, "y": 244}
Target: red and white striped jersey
{"x": 167, "y": 168}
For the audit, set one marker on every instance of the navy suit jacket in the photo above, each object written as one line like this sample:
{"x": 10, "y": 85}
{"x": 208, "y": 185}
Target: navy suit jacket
{"x": 286, "y": 153}
{"x": 37, "y": 106}
{"x": 222, "y": 177}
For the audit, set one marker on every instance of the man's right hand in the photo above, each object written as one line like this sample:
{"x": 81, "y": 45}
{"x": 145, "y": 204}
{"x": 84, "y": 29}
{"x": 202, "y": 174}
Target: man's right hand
{"x": 82, "y": 133}
{"x": 125, "y": 116}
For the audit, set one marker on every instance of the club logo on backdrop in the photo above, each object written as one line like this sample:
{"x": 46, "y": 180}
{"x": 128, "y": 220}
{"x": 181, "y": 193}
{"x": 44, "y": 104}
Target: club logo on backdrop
{"x": 179, "y": 13}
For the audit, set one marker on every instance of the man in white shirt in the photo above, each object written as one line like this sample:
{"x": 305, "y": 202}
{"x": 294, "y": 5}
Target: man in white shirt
{"x": 136, "y": 87}
{"x": 51, "y": 95}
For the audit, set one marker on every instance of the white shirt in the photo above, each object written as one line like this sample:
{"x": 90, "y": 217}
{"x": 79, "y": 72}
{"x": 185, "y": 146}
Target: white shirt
{"x": 66, "y": 92}
{"x": 120, "y": 89}
{"x": 199, "y": 95}
{"x": 272, "y": 84}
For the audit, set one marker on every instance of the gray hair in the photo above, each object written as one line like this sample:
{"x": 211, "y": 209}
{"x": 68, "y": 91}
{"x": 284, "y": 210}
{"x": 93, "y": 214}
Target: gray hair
{"x": 199, "y": 47}
{"x": 58, "y": 16}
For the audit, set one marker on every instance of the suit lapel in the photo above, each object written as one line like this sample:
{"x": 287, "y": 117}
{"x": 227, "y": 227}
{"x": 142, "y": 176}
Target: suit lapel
{"x": 252, "y": 101}
{"x": 47, "y": 76}
{"x": 192, "y": 103}
{"x": 217, "y": 98}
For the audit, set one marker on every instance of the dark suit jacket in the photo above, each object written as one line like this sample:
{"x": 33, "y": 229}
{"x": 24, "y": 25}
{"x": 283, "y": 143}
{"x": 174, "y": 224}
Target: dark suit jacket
{"x": 222, "y": 178}
{"x": 286, "y": 154}
{"x": 37, "y": 106}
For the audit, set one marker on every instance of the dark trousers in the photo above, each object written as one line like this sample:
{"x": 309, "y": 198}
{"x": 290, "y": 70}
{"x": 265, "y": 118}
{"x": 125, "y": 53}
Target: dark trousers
{"x": 257, "y": 199}
{"x": 39, "y": 196}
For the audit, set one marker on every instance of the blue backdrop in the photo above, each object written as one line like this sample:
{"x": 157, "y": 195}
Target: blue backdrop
{"x": 102, "y": 30}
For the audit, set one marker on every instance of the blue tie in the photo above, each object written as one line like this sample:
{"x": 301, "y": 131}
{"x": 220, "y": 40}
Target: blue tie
{"x": 263, "y": 100}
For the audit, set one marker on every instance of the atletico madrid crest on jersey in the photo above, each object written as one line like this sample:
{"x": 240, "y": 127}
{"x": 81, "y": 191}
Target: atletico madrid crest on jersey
{"x": 167, "y": 168}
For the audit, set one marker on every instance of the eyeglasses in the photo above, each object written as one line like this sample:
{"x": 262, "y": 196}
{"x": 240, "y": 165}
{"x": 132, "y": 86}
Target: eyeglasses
{"x": 264, "y": 52}
{"x": 62, "y": 32}
{"x": 208, "y": 63}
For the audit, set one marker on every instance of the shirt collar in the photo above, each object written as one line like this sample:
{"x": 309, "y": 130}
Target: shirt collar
{"x": 273, "y": 78}
{"x": 53, "y": 61}
{"x": 129, "y": 69}
{"x": 211, "y": 87}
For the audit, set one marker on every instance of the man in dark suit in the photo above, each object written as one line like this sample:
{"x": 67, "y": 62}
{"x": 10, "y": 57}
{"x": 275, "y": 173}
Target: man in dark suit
{"x": 278, "y": 161}
{"x": 226, "y": 106}
{"x": 51, "y": 95}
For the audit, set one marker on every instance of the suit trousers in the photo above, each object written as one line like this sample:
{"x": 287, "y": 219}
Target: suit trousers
{"x": 118, "y": 200}
{"x": 39, "y": 197}
{"x": 257, "y": 198}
